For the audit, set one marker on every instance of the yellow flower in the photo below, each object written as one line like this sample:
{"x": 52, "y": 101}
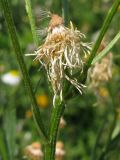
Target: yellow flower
{"x": 118, "y": 113}
{"x": 14, "y": 73}
{"x": 103, "y": 92}
{"x": 42, "y": 100}
{"x": 28, "y": 114}
{"x": 118, "y": 8}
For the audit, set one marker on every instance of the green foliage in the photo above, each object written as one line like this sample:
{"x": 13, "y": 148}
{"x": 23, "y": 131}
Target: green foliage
{"x": 92, "y": 129}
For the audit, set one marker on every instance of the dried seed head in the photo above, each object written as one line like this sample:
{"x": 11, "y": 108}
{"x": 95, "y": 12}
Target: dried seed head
{"x": 62, "y": 123}
{"x": 55, "y": 21}
{"x": 34, "y": 151}
{"x": 60, "y": 152}
{"x": 63, "y": 50}
{"x": 60, "y": 145}
{"x": 102, "y": 71}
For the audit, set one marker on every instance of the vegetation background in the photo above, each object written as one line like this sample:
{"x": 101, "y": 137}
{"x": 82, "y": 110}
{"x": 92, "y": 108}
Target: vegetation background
{"x": 85, "y": 114}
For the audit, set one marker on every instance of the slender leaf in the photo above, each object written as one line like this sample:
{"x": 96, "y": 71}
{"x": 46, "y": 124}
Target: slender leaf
{"x": 107, "y": 49}
{"x": 103, "y": 30}
{"x": 65, "y": 11}
{"x": 12, "y": 31}
{"x": 3, "y": 147}
{"x": 32, "y": 21}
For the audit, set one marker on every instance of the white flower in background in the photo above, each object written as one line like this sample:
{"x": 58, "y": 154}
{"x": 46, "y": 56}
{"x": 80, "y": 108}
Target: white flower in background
{"x": 60, "y": 151}
{"x": 34, "y": 151}
{"x": 62, "y": 123}
{"x": 11, "y": 78}
{"x": 101, "y": 72}
{"x": 62, "y": 54}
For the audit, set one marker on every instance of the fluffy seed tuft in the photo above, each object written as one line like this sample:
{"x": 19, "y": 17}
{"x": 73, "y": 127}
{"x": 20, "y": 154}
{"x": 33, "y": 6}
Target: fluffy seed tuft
{"x": 63, "y": 50}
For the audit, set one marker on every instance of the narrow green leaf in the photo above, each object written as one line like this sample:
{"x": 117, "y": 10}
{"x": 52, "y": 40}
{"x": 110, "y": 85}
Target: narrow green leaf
{"x": 104, "y": 28}
{"x": 10, "y": 130}
{"x": 107, "y": 49}
{"x": 12, "y": 31}
{"x": 32, "y": 21}
{"x": 100, "y": 132}
{"x": 3, "y": 147}
{"x": 65, "y": 11}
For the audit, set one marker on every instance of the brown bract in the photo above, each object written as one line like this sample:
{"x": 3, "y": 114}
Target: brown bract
{"x": 102, "y": 71}
{"x": 55, "y": 21}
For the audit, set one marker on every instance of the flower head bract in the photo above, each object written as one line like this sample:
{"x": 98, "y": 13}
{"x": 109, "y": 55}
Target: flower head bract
{"x": 62, "y": 53}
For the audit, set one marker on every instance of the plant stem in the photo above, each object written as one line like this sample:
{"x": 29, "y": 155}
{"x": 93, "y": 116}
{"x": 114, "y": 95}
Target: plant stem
{"x": 103, "y": 30}
{"x": 93, "y": 157}
{"x": 58, "y": 109}
{"x": 10, "y": 125}
{"x": 114, "y": 143}
{"x": 107, "y": 49}
{"x": 12, "y": 31}
{"x": 32, "y": 21}
{"x": 54, "y": 125}
{"x": 65, "y": 11}
{"x": 105, "y": 151}
{"x": 111, "y": 131}
{"x": 3, "y": 146}
{"x": 106, "y": 148}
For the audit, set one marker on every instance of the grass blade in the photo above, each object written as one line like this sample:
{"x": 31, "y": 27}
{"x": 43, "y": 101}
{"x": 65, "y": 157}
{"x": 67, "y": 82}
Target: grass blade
{"x": 104, "y": 28}
{"x": 106, "y": 50}
{"x": 32, "y": 21}
{"x": 65, "y": 11}
{"x": 12, "y": 31}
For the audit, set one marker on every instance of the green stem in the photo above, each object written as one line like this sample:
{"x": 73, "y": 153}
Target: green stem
{"x": 10, "y": 125}
{"x": 58, "y": 108}
{"x": 106, "y": 148}
{"x": 105, "y": 151}
{"x": 54, "y": 125}
{"x": 107, "y": 49}
{"x": 65, "y": 11}
{"x": 111, "y": 131}
{"x": 93, "y": 157}
{"x": 3, "y": 146}
{"x": 12, "y": 31}
{"x": 114, "y": 143}
{"x": 104, "y": 28}
{"x": 32, "y": 21}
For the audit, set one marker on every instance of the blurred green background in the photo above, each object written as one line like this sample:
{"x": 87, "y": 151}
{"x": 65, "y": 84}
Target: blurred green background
{"x": 84, "y": 114}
